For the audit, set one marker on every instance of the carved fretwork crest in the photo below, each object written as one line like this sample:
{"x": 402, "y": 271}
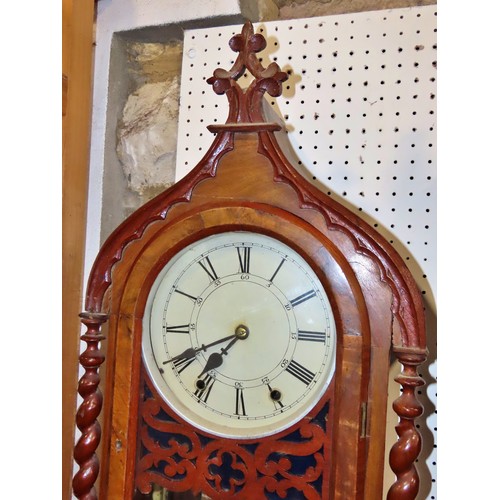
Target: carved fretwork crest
{"x": 246, "y": 104}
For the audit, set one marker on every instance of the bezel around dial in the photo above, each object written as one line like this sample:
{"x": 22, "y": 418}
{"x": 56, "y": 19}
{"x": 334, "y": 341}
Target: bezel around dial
{"x": 266, "y": 381}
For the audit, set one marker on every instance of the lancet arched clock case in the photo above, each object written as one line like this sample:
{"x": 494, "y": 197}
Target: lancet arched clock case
{"x": 249, "y": 321}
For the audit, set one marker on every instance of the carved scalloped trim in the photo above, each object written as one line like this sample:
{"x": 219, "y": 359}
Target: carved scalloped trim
{"x": 405, "y": 302}
{"x": 133, "y": 227}
{"x": 373, "y": 246}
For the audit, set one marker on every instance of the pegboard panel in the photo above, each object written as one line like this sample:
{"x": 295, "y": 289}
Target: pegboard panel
{"x": 359, "y": 109}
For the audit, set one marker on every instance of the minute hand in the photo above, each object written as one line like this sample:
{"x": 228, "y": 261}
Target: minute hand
{"x": 192, "y": 352}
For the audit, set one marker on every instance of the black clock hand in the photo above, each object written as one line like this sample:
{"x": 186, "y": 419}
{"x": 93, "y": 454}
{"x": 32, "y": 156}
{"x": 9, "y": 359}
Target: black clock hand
{"x": 215, "y": 359}
{"x": 192, "y": 352}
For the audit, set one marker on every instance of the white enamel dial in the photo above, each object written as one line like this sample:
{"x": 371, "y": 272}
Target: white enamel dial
{"x": 238, "y": 335}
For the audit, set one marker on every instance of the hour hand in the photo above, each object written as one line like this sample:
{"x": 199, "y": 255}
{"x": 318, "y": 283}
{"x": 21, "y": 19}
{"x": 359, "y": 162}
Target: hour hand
{"x": 215, "y": 359}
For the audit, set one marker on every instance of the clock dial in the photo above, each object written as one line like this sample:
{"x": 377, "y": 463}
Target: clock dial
{"x": 239, "y": 336}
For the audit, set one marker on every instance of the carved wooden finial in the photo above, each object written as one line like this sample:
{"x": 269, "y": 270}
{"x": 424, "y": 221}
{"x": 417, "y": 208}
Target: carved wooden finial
{"x": 245, "y": 105}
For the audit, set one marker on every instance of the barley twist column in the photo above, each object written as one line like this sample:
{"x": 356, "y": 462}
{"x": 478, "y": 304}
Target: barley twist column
{"x": 86, "y": 417}
{"x": 407, "y": 448}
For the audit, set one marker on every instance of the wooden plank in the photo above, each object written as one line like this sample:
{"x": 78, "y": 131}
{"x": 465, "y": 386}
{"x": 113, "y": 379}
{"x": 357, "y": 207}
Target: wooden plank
{"x": 77, "y": 45}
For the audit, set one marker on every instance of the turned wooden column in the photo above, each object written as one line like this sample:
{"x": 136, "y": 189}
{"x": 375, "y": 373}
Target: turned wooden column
{"x": 86, "y": 418}
{"x": 407, "y": 448}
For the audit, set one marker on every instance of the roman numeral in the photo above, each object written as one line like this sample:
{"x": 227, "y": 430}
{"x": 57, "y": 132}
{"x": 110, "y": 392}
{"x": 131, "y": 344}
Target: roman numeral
{"x": 311, "y": 336}
{"x": 302, "y": 298}
{"x": 300, "y": 372}
{"x": 204, "y": 387}
{"x": 186, "y": 294}
{"x": 244, "y": 258}
{"x": 182, "y": 363}
{"x": 178, "y": 329}
{"x": 240, "y": 402}
{"x": 277, "y": 269}
{"x": 208, "y": 268}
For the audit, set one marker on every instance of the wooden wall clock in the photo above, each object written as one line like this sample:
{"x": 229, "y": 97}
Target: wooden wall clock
{"x": 250, "y": 319}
